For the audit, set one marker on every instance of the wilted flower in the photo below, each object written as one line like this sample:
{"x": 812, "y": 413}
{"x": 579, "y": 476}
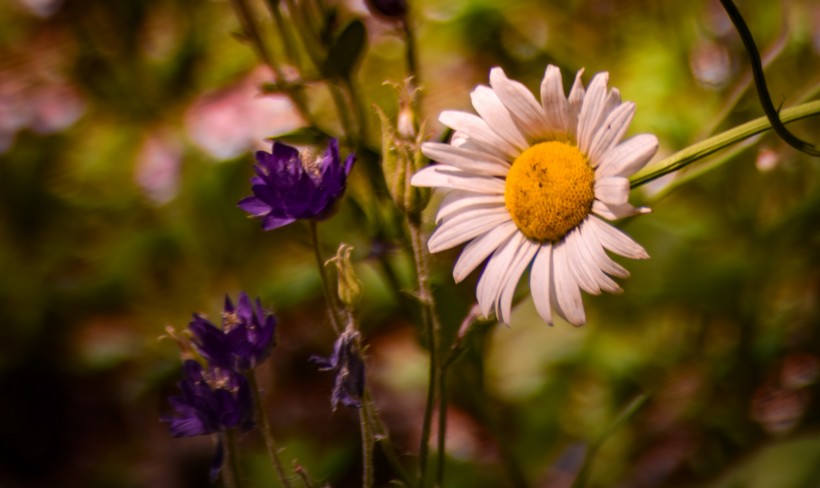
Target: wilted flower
{"x": 211, "y": 401}
{"x": 244, "y": 340}
{"x": 289, "y": 186}
{"x": 346, "y": 361}
{"x": 530, "y": 182}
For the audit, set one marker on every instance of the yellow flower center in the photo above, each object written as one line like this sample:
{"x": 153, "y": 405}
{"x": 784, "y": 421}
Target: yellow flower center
{"x": 549, "y": 190}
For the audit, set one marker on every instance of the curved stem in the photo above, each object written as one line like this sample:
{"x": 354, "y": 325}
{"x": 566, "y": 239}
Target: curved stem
{"x": 709, "y": 146}
{"x": 267, "y": 432}
{"x": 760, "y": 82}
{"x": 330, "y": 297}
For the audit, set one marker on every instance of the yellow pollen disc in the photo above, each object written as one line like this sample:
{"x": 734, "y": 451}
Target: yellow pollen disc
{"x": 549, "y": 190}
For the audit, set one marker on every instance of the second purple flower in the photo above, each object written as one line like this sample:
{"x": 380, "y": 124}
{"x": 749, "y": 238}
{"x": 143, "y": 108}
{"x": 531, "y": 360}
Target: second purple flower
{"x": 290, "y": 185}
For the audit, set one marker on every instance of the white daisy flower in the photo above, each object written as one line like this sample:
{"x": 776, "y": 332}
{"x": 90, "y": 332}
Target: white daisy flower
{"x": 529, "y": 184}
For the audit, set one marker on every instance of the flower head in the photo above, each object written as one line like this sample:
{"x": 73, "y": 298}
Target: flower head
{"x": 211, "y": 401}
{"x": 530, "y": 182}
{"x": 290, "y": 185}
{"x": 244, "y": 340}
{"x": 347, "y": 362}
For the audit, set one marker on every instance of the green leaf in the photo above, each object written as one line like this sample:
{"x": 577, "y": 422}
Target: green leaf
{"x": 346, "y": 51}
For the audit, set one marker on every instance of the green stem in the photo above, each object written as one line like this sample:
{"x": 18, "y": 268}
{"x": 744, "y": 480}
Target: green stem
{"x": 383, "y": 438}
{"x": 367, "y": 449}
{"x": 626, "y": 414}
{"x": 230, "y": 470}
{"x": 267, "y": 432}
{"x": 432, "y": 329}
{"x": 330, "y": 297}
{"x": 713, "y": 144}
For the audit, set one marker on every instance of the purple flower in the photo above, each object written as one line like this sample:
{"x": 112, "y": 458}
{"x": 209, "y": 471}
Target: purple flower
{"x": 244, "y": 340}
{"x": 349, "y": 367}
{"x": 290, "y": 186}
{"x": 211, "y": 401}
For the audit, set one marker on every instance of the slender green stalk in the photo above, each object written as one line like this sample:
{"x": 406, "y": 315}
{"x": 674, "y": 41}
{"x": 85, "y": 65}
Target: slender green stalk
{"x": 267, "y": 432}
{"x": 367, "y": 449}
{"x": 432, "y": 329}
{"x": 330, "y": 296}
{"x": 383, "y": 438}
{"x": 626, "y": 414}
{"x": 713, "y": 144}
{"x": 230, "y": 469}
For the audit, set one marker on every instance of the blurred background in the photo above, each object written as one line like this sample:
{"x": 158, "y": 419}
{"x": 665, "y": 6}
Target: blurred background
{"x": 126, "y": 138}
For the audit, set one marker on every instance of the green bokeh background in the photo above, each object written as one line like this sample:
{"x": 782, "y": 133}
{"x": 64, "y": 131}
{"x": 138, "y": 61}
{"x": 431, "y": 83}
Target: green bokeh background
{"x": 718, "y": 332}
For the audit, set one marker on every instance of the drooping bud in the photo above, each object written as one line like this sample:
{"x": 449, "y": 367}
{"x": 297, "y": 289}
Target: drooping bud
{"x": 401, "y": 153}
{"x": 349, "y": 286}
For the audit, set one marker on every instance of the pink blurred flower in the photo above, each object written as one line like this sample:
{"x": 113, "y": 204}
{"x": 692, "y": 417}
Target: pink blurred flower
{"x": 237, "y": 118}
{"x": 157, "y": 167}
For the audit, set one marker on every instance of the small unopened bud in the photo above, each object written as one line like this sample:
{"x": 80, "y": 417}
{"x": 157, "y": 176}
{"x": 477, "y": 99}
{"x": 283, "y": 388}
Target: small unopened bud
{"x": 349, "y": 286}
{"x": 401, "y": 153}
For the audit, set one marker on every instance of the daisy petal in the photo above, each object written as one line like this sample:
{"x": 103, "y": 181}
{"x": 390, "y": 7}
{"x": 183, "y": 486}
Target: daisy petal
{"x": 598, "y": 255}
{"x": 444, "y": 176}
{"x": 575, "y": 101}
{"x": 541, "y": 282}
{"x": 520, "y": 262}
{"x": 521, "y": 104}
{"x": 627, "y": 157}
{"x": 492, "y": 279}
{"x": 612, "y": 130}
{"x": 593, "y": 262}
{"x": 577, "y": 266}
{"x": 615, "y": 240}
{"x": 591, "y": 110}
{"x": 553, "y": 100}
{"x": 458, "y": 200}
{"x": 489, "y": 107}
{"x": 465, "y": 226}
{"x": 469, "y": 160}
{"x": 565, "y": 292}
{"x": 477, "y": 129}
{"x": 616, "y": 212}
{"x": 478, "y": 249}
{"x": 613, "y": 190}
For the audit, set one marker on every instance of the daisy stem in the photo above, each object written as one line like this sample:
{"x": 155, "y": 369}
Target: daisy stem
{"x": 713, "y": 144}
{"x": 330, "y": 297}
{"x": 432, "y": 329}
{"x": 230, "y": 471}
{"x": 267, "y": 432}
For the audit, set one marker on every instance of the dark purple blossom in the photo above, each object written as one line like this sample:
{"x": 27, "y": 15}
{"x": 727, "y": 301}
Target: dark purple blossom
{"x": 289, "y": 186}
{"x": 211, "y": 400}
{"x": 244, "y": 340}
{"x": 347, "y": 362}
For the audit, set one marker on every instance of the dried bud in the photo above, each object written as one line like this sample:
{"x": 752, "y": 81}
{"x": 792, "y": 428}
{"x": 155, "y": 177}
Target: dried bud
{"x": 349, "y": 286}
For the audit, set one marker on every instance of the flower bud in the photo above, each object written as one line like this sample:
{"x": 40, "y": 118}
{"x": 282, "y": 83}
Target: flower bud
{"x": 401, "y": 154}
{"x": 349, "y": 286}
